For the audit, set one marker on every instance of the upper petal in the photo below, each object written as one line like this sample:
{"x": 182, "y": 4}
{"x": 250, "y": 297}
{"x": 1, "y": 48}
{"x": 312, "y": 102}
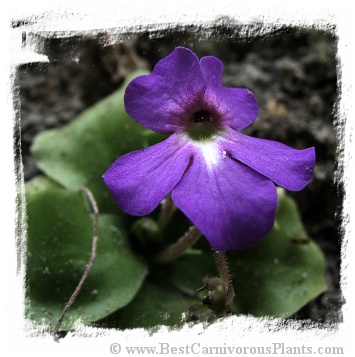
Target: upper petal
{"x": 237, "y": 106}
{"x": 212, "y": 69}
{"x": 231, "y": 204}
{"x": 160, "y": 101}
{"x": 287, "y": 167}
{"x": 141, "y": 179}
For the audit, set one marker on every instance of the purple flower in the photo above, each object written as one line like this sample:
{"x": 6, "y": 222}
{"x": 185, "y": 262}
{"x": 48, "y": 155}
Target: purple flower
{"x": 222, "y": 180}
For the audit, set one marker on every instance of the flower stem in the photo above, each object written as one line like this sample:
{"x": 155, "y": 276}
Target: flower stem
{"x": 88, "y": 267}
{"x": 167, "y": 210}
{"x": 223, "y": 272}
{"x": 173, "y": 251}
{"x": 222, "y": 265}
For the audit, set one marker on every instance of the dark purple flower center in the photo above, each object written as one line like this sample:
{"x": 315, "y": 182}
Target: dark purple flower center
{"x": 201, "y": 116}
{"x": 202, "y": 125}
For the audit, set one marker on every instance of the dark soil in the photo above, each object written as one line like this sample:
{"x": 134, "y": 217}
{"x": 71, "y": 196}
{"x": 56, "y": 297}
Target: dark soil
{"x": 292, "y": 73}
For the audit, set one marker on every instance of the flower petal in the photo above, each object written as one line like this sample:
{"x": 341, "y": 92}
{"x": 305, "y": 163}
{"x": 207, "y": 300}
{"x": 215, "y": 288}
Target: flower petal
{"x": 237, "y": 106}
{"x": 159, "y": 101}
{"x": 231, "y": 204}
{"x": 212, "y": 69}
{"x": 141, "y": 179}
{"x": 287, "y": 167}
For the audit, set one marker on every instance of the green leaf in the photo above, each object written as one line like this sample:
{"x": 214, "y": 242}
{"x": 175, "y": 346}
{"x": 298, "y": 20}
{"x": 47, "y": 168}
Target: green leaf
{"x": 156, "y": 304}
{"x": 186, "y": 273}
{"x": 80, "y": 153}
{"x": 59, "y": 241}
{"x": 275, "y": 278}
{"x": 283, "y": 272}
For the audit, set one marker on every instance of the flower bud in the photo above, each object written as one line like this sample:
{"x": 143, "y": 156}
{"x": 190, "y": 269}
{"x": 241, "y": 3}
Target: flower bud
{"x": 147, "y": 235}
